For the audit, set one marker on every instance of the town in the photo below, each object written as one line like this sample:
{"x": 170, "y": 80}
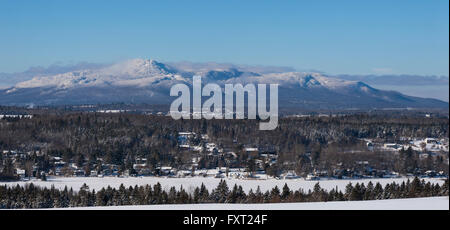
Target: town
{"x": 199, "y": 155}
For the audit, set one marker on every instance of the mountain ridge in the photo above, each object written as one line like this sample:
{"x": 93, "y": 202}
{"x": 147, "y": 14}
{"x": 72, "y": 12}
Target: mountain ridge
{"x": 149, "y": 81}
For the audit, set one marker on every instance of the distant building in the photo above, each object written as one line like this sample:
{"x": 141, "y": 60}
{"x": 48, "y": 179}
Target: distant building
{"x": 94, "y": 173}
{"x": 251, "y": 150}
{"x": 392, "y": 146}
{"x": 430, "y": 141}
{"x": 20, "y": 173}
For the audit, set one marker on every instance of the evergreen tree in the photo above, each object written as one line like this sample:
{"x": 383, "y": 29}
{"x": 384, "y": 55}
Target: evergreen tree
{"x": 286, "y": 192}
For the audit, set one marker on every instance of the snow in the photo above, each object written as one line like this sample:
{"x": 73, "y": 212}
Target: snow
{"x": 135, "y": 72}
{"x": 189, "y": 183}
{"x": 432, "y": 147}
{"x": 428, "y": 203}
{"x": 142, "y": 72}
{"x": 305, "y": 79}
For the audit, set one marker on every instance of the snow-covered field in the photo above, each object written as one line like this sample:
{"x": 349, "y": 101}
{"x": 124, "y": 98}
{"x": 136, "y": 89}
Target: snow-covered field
{"x": 190, "y": 183}
{"x": 429, "y": 203}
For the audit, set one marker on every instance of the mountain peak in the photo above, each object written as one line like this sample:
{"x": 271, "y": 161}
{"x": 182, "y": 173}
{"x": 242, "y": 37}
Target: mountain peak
{"x": 148, "y": 80}
{"x": 138, "y": 67}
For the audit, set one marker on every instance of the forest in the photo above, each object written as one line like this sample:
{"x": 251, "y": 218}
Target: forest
{"x": 31, "y": 196}
{"x": 301, "y": 144}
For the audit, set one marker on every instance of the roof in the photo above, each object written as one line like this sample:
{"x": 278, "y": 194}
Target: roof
{"x": 251, "y": 149}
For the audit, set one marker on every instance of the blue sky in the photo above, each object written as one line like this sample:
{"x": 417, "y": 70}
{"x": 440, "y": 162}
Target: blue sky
{"x": 352, "y": 37}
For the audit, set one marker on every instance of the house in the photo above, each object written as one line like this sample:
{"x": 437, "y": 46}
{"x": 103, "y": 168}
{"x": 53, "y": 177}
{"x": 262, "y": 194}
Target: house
{"x": 291, "y": 175}
{"x": 430, "y": 173}
{"x": 184, "y": 173}
{"x": 222, "y": 169}
{"x": 141, "y": 160}
{"x": 106, "y": 172}
{"x": 213, "y": 149}
{"x": 430, "y": 141}
{"x": 205, "y": 137}
{"x": 184, "y": 139}
{"x": 207, "y": 173}
{"x": 388, "y": 174}
{"x": 79, "y": 173}
{"x": 20, "y": 173}
{"x": 197, "y": 148}
{"x": 115, "y": 172}
{"x": 140, "y": 163}
{"x": 56, "y": 158}
{"x": 59, "y": 164}
{"x": 126, "y": 173}
{"x": 73, "y": 166}
{"x": 166, "y": 170}
{"x": 59, "y": 171}
{"x": 392, "y": 146}
{"x": 210, "y": 146}
{"x": 251, "y": 150}
{"x": 186, "y": 134}
{"x": 144, "y": 172}
{"x": 139, "y": 166}
{"x": 219, "y": 175}
{"x": 267, "y": 150}
{"x": 94, "y": 173}
{"x": 312, "y": 177}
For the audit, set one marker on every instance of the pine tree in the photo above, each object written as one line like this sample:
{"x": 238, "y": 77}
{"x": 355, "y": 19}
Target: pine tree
{"x": 348, "y": 191}
{"x": 416, "y": 187}
{"x": 251, "y": 197}
{"x": 356, "y": 193}
{"x": 368, "y": 194}
{"x": 378, "y": 191}
{"x": 286, "y": 192}
{"x": 221, "y": 193}
{"x": 275, "y": 195}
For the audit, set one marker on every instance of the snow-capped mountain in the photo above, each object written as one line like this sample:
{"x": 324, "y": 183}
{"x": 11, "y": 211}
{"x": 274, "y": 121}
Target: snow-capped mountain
{"x": 136, "y": 72}
{"x": 149, "y": 81}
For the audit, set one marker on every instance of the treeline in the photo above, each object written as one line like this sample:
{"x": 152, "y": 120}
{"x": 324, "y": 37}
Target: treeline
{"x": 31, "y": 196}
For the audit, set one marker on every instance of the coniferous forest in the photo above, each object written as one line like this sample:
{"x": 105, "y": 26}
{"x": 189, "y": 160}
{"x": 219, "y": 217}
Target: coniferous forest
{"x": 65, "y": 143}
{"x": 31, "y": 196}
{"x": 303, "y": 145}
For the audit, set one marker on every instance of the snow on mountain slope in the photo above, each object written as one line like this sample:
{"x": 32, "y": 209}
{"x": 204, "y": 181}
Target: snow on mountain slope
{"x": 140, "y": 72}
{"x": 137, "y": 72}
{"x": 296, "y": 79}
{"x": 149, "y": 81}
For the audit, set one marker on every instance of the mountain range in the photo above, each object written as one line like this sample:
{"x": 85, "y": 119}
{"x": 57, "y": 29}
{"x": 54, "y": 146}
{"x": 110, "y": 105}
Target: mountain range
{"x": 149, "y": 81}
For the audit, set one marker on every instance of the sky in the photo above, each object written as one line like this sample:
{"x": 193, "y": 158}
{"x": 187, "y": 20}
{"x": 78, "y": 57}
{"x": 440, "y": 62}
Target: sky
{"x": 336, "y": 37}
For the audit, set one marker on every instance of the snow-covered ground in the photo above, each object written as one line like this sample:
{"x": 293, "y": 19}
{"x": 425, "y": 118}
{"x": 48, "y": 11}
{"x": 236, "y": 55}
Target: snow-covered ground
{"x": 190, "y": 183}
{"x": 433, "y": 147}
{"x": 429, "y": 203}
